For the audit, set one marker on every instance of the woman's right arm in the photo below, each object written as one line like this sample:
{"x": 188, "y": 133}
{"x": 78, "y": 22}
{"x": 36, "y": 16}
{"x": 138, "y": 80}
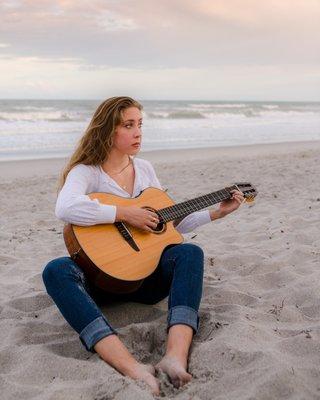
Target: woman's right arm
{"x": 139, "y": 217}
{"x": 75, "y": 207}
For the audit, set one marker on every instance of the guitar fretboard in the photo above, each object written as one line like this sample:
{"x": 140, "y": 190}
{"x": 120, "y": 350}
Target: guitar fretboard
{"x": 185, "y": 208}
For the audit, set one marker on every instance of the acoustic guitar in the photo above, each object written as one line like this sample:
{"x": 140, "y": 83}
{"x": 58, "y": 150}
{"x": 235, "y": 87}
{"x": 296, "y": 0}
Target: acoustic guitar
{"x": 117, "y": 257}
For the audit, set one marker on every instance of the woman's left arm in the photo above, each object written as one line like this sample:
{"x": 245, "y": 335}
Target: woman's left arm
{"x": 228, "y": 206}
{"x": 199, "y": 218}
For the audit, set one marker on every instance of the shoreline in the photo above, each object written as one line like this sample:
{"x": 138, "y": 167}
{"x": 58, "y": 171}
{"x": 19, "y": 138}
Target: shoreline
{"x": 50, "y": 166}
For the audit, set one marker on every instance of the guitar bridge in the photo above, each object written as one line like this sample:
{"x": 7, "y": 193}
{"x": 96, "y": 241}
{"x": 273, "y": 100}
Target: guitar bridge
{"x": 125, "y": 233}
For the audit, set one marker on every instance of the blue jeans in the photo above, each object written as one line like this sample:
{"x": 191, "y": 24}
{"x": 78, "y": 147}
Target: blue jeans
{"x": 178, "y": 275}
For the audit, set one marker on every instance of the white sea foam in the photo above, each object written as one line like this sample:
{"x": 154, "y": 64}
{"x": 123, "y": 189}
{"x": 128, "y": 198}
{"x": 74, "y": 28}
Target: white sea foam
{"x": 36, "y": 129}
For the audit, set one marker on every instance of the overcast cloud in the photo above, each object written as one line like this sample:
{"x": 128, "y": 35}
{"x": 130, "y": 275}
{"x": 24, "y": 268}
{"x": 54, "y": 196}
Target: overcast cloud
{"x": 236, "y": 49}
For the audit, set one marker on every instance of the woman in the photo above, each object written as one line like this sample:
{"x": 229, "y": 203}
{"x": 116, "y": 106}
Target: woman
{"x": 103, "y": 162}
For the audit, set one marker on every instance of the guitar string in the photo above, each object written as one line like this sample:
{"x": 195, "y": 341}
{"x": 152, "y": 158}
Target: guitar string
{"x": 178, "y": 210}
{"x": 185, "y": 208}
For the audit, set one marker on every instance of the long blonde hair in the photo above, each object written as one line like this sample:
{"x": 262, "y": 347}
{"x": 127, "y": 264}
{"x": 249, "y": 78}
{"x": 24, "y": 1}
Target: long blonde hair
{"x": 97, "y": 141}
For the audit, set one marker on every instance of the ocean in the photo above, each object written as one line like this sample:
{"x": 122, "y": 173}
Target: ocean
{"x": 32, "y": 129}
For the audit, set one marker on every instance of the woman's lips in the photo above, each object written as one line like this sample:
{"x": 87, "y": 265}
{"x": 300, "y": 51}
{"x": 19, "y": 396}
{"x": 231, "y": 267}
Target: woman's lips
{"x": 136, "y": 145}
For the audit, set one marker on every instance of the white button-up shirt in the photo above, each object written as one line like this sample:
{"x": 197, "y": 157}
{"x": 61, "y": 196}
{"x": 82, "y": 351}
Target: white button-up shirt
{"x": 75, "y": 206}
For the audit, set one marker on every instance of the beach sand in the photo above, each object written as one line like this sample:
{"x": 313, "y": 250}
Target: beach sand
{"x": 259, "y": 335}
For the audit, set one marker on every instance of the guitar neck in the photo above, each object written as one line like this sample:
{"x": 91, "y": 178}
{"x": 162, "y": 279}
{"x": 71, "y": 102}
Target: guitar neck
{"x": 185, "y": 208}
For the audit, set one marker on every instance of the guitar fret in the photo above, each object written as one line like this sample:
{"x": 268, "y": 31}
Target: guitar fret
{"x": 187, "y": 207}
{"x": 207, "y": 200}
{"x": 165, "y": 215}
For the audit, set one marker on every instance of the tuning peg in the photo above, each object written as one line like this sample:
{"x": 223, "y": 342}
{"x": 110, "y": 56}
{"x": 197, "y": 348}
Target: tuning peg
{"x": 250, "y": 199}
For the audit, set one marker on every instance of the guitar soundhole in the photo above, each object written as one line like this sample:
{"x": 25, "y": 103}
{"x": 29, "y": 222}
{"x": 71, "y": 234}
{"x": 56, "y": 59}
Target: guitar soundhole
{"x": 159, "y": 228}
{"x": 161, "y": 225}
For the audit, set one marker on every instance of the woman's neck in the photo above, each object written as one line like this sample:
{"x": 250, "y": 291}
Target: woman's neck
{"x": 115, "y": 162}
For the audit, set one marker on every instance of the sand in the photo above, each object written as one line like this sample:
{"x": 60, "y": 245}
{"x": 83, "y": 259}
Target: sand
{"x": 259, "y": 334}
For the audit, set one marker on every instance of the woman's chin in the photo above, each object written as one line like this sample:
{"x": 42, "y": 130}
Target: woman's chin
{"x": 134, "y": 150}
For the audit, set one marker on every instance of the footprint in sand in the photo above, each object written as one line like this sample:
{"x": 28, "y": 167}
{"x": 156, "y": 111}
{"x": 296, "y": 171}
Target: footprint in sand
{"x": 32, "y": 303}
{"x": 220, "y": 297}
{"x": 36, "y": 282}
{"x": 7, "y": 260}
{"x": 69, "y": 349}
{"x": 208, "y": 327}
{"x": 146, "y": 341}
{"x": 33, "y": 332}
{"x": 126, "y": 313}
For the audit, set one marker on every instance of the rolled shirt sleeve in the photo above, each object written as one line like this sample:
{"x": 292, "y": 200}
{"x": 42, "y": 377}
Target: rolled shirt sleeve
{"x": 193, "y": 221}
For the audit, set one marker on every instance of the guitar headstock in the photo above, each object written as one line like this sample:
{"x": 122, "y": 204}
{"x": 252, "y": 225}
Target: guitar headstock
{"x": 249, "y": 191}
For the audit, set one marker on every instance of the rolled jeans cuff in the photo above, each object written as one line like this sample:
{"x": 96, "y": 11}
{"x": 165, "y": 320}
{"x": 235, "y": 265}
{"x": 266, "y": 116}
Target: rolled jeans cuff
{"x": 183, "y": 315}
{"x": 95, "y": 331}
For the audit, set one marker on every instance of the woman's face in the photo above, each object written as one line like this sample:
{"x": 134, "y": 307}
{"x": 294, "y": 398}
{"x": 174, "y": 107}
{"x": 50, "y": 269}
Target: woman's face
{"x": 128, "y": 134}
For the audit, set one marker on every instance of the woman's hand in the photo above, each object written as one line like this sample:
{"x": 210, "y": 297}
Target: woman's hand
{"x": 138, "y": 217}
{"x": 227, "y": 206}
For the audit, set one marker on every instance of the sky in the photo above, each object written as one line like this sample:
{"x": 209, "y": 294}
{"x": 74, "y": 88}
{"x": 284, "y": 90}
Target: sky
{"x": 160, "y": 49}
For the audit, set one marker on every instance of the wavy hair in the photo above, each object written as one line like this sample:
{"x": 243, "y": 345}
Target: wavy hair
{"x": 97, "y": 141}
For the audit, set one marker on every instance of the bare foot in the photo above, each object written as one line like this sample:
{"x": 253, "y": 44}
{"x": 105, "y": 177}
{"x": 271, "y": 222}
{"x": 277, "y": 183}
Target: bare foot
{"x": 175, "y": 369}
{"x": 145, "y": 373}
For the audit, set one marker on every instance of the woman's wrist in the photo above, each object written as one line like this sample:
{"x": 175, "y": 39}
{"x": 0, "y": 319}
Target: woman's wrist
{"x": 120, "y": 214}
{"x": 216, "y": 214}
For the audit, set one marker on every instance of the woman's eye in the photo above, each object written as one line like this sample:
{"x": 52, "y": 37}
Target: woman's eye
{"x": 130, "y": 126}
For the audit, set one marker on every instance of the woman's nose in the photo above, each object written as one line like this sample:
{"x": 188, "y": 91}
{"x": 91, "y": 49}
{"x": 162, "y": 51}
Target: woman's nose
{"x": 137, "y": 131}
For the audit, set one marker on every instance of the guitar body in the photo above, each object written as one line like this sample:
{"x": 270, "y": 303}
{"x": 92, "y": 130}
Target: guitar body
{"x": 109, "y": 261}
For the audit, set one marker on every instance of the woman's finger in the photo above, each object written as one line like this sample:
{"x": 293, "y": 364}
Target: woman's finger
{"x": 152, "y": 224}
{"x": 237, "y": 192}
{"x": 147, "y": 228}
{"x": 239, "y": 199}
{"x": 154, "y": 217}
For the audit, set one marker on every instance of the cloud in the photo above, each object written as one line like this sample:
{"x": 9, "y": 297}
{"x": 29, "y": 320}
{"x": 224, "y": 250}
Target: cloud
{"x": 111, "y": 21}
{"x": 11, "y": 4}
{"x": 172, "y": 33}
{"x": 165, "y": 49}
{"x": 31, "y": 77}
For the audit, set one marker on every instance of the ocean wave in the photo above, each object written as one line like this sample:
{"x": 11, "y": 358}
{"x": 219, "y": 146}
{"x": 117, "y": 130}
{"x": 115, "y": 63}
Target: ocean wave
{"x": 64, "y": 117}
{"x": 184, "y": 114}
{"x": 156, "y": 114}
{"x": 270, "y": 107}
{"x": 31, "y": 108}
{"x": 222, "y": 105}
{"x": 41, "y": 117}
